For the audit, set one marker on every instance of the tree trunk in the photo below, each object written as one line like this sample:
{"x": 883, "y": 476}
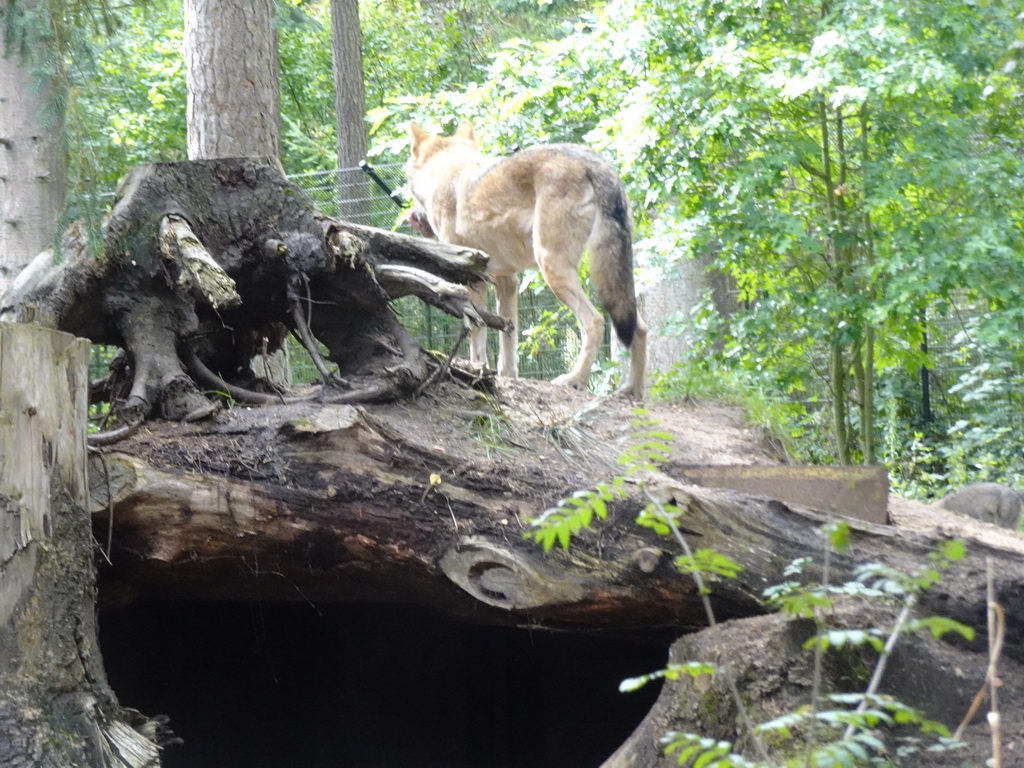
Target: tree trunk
{"x": 350, "y": 108}
{"x": 234, "y": 103}
{"x": 32, "y": 172}
{"x": 234, "y": 99}
{"x": 56, "y": 708}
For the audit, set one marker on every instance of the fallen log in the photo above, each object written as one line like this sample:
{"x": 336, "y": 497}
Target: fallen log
{"x": 337, "y": 501}
{"x": 392, "y": 503}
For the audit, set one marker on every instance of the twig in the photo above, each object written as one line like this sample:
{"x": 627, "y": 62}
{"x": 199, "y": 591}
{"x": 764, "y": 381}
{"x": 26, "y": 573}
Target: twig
{"x": 883, "y": 658}
{"x": 436, "y": 375}
{"x": 996, "y": 635}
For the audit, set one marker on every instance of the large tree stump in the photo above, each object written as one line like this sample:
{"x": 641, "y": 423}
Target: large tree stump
{"x": 206, "y": 264}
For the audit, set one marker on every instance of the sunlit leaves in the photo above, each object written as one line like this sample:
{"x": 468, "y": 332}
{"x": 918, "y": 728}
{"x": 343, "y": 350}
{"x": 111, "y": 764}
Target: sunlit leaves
{"x": 647, "y": 447}
{"x": 696, "y": 751}
{"x": 671, "y": 672}
{"x": 940, "y": 625}
{"x": 571, "y": 515}
{"x": 842, "y": 638}
{"x": 709, "y": 562}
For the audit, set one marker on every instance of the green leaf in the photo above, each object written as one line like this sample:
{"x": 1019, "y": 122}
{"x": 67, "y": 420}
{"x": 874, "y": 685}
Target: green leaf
{"x": 940, "y": 625}
{"x": 709, "y": 562}
{"x": 839, "y": 535}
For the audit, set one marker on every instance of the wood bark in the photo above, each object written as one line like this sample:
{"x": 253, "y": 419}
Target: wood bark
{"x": 234, "y": 100}
{"x": 56, "y": 708}
{"x": 32, "y": 172}
{"x": 234, "y": 103}
{"x": 350, "y": 484}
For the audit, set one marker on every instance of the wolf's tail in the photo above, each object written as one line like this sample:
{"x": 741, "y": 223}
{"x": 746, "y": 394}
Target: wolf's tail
{"x": 611, "y": 255}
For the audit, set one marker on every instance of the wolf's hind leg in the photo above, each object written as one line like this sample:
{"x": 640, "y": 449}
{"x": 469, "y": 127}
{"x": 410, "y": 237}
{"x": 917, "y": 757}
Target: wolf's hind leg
{"x": 508, "y": 308}
{"x": 559, "y": 237}
{"x": 637, "y": 361}
{"x": 564, "y": 281}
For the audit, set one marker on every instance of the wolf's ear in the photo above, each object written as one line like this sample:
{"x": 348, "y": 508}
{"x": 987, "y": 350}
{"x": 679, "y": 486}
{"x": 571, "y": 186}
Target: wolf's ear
{"x": 465, "y": 131}
{"x": 417, "y": 134}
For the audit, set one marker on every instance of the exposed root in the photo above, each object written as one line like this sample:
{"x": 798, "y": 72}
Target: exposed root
{"x": 115, "y": 435}
{"x": 452, "y": 298}
{"x": 377, "y": 393}
{"x": 181, "y": 400}
{"x": 197, "y": 269}
{"x": 447, "y": 366}
{"x": 305, "y": 336}
{"x": 197, "y": 368}
{"x": 480, "y": 378}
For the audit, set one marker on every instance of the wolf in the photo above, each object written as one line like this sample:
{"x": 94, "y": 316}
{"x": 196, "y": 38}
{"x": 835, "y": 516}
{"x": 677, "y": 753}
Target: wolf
{"x": 988, "y": 502}
{"x": 540, "y": 207}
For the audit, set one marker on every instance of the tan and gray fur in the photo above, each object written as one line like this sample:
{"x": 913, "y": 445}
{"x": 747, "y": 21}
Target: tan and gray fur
{"x": 539, "y": 207}
{"x": 988, "y": 502}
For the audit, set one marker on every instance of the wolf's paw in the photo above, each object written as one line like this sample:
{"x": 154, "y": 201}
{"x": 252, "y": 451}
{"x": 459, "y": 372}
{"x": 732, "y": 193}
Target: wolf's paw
{"x": 568, "y": 380}
{"x": 630, "y": 392}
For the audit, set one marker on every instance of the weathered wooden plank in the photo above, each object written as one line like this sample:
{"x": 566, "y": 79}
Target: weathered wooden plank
{"x": 858, "y": 492}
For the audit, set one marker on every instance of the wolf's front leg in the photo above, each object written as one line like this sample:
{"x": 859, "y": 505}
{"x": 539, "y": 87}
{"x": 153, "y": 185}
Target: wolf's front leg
{"x": 478, "y": 333}
{"x": 508, "y": 343}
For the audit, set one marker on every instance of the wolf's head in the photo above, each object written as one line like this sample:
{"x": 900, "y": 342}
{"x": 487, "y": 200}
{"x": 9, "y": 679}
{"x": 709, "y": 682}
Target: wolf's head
{"x": 426, "y": 145}
{"x": 431, "y": 162}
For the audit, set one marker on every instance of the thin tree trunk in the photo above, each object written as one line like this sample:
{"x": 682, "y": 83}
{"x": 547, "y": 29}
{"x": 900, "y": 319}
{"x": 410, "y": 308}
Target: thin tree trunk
{"x": 234, "y": 101}
{"x": 867, "y": 414}
{"x": 32, "y": 173}
{"x": 350, "y": 109}
{"x": 838, "y": 373}
{"x": 868, "y": 400}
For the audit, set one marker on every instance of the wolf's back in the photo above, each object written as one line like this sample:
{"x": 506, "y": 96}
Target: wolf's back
{"x": 611, "y": 252}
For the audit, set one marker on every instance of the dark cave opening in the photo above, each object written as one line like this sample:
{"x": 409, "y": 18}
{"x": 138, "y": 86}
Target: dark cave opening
{"x": 290, "y": 685}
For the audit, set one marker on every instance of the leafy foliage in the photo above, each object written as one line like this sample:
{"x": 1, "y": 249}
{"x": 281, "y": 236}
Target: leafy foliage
{"x": 849, "y": 734}
{"x": 671, "y": 672}
{"x": 850, "y": 167}
{"x": 648, "y": 447}
{"x": 575, "y": 513}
